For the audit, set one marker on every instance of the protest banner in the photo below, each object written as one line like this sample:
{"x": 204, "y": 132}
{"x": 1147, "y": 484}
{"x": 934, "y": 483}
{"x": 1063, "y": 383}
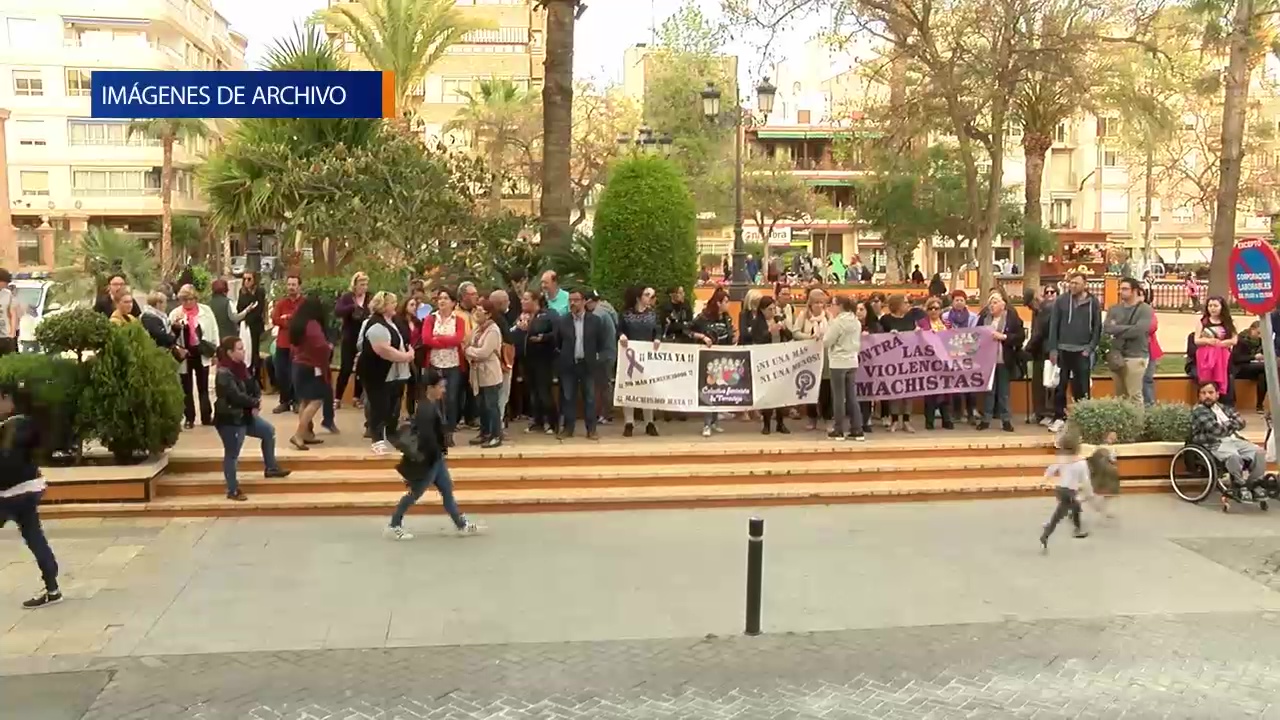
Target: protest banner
{"x": 894, "y": 366}
{"x": 693, "y": 378}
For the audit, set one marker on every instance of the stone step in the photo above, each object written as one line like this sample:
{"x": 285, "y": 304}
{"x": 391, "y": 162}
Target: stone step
{"x": 835, "y": 469}
{"x": 480, "y": 502}
{"x": 720, "y": 450}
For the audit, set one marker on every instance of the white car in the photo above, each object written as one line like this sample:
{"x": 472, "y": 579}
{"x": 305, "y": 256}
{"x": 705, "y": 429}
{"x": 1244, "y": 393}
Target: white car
{"x": 33, "y": 295}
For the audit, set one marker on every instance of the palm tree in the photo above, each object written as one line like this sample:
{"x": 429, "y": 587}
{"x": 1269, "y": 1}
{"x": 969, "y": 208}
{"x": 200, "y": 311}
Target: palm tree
{"x": 494, "y": 116}
{"x": 168, "y": 131}
{"x": 405, "y": 37}
{"x": 557, "y": 123}
{"x": 83, "y": 263}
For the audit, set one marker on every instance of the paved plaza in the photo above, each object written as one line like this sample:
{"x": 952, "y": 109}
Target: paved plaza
{"x": 923, "y": 610}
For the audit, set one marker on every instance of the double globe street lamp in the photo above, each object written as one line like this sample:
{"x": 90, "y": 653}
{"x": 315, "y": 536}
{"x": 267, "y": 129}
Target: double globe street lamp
{"x": 740, "y": 118}
{"x": 647, "y": 142}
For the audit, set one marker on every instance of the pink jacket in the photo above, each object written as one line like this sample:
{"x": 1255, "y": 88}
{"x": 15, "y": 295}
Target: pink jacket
{"x": 1156, "y": 351}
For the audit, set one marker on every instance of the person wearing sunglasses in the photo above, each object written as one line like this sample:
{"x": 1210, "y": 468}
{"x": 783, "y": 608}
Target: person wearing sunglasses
{"x": 1038, "y": 300}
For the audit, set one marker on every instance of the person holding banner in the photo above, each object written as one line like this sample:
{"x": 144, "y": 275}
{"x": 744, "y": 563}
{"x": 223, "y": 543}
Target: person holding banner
{"x": 1009, "y": 331}
{"x": 639, "y": 322}
{"x": 712, "y": 327}
{"x": 935, "y": 405}
{"x": 761, "y": 326}
{"x": 811, "y": 324}
{"x": 870, "y": 324}
{"x": 897, "y": 321}
{"x": 843, "y": 341}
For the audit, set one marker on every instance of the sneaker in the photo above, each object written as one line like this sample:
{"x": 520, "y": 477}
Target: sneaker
{"x": 651, "y": 430}
{"x": 984, "y": 425}
{"x": 1006, "y": 426}
{"x": 593, "y": 435}
{"x": 331, "y": 427}
{"x": 1080, "y": 534}
{"x": 717, "y": 428}
{"x": 1046, "y": 421}
{"x": 382, "y": 447}
{"x": 397, "y": 532}
{"x": 276, "y": 473}
{"x": 470, "y": 529}
{"x": 238, "y": 496}
{"x": 706, "y": 431}
{"x": 491, "y": 443}
{"x": 44, "y": 598}
{"x": 858, "y": 438}
{"x": 1056, "y": 426}
{"x": 835, "y": 435}
{"x": 478, "y": 440}
{"x": 549, "y": 431}
{"x": 535, "y": 428}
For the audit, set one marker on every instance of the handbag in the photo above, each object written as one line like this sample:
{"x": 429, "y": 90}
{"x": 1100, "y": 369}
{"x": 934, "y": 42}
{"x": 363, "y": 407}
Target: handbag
{"x": 1052, "y": 374}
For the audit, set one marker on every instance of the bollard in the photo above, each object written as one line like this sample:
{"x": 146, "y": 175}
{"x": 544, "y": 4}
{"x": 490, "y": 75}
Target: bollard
{"x": 755, "y": 562}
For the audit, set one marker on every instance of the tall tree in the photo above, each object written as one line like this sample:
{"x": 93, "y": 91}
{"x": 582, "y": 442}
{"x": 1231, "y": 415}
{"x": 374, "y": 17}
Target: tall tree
{"x": 496, "y": 119}
{"x": 1244, "y": 30}
{"x": 405, "y": 37}
{"x": 557, "y": 123}
{"x": 169, "y": 131}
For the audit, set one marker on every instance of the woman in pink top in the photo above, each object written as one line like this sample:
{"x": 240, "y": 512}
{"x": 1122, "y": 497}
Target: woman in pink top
{"x": 1214, "y": 343}
{"x": 1149, "y": 379}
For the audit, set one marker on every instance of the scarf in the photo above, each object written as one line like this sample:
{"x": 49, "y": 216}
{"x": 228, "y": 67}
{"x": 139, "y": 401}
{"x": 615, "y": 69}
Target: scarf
{"x": 237, "y": 368}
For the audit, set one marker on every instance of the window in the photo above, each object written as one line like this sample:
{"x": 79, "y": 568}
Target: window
{"x": 101, "y": 132}
{"x": 28, "y": 83}
{"x": 456, "y": 90}
{"x": 1108, "y": 127}
{"x": 23, "y": 33}
{"x": 78, "y": 83}
{"x": 1060, "y": 215}
{"x": 1110, "y": 159}
{"x": 28, "y": 247}
{"x": 30, "y": 133}
{"x": 34, "y": 182}
{"x": 1060, "y": 133}
{"x": 1183, "y": 214}
{"x": 114, "y": 183}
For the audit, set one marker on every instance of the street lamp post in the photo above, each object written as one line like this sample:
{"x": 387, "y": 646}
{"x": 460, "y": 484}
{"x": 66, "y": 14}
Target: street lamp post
{"x": 646, "y": 141}
{"x": 765, "y": 93}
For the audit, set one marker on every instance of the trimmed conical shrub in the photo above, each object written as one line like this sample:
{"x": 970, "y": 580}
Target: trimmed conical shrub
{"x": 134, "y": 399}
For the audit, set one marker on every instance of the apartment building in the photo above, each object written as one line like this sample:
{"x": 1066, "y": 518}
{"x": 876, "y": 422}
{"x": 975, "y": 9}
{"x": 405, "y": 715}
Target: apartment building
{"x": 66, "y": 170}
{"x": 511, "y": 45}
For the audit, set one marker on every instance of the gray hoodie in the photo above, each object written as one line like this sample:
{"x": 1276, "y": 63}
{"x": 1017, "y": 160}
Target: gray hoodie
{"x": 1130, "y": 329}
{"x": 1075, "y": 325}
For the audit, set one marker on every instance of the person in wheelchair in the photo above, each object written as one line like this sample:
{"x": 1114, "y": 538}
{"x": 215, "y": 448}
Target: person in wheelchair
{"x": 1216, "y": 427}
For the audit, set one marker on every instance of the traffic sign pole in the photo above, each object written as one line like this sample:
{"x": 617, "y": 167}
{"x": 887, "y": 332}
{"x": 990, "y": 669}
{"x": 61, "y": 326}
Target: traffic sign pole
{"x": 1255, "y": 282}
{"x": 1273, "y": 374}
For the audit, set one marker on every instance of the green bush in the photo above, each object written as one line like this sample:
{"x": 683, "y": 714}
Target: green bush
{"x": 645, "y": 230}
{"x": 133, "y": 401}
{"x": 56, "y": 385}
{"x": 1167, "y": 422}
{"x": 1096, "y": 417}
{"x": 76, "y": 331}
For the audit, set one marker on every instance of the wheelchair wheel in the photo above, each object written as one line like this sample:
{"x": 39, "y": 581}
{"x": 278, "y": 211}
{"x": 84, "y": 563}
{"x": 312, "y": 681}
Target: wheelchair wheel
{"x": 1193, "y": 473}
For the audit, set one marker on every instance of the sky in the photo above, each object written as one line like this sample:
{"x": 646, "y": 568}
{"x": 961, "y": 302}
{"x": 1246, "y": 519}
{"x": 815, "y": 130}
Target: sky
{"x": 605, "y": 30}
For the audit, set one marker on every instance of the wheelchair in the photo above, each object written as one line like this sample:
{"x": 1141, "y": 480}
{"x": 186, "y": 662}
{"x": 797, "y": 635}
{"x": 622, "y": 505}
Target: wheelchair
{"x": 1195, "y": 473}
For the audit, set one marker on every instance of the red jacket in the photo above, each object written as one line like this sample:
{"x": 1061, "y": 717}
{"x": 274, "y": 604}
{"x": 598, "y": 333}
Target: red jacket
{"x": 432, "y": 342}
{"x": 281, "y": 308}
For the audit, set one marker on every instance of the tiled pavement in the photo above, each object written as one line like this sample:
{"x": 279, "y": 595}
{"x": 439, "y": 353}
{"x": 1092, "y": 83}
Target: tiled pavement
{"x": 1216, "y": 665}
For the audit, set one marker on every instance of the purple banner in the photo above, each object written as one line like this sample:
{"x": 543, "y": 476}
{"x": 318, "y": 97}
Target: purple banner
{"x": 893, "y": 366}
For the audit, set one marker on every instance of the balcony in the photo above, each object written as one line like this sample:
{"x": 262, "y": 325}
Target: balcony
{"x": 828, "y": 165}
{"x": 92, "y": 53}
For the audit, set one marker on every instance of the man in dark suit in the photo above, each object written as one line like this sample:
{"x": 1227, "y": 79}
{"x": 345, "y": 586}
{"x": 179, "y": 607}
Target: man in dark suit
{"x": 580, "y": 338}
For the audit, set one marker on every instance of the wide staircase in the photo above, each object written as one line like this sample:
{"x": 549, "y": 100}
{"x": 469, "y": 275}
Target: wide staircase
{"x": 616, "y": 474}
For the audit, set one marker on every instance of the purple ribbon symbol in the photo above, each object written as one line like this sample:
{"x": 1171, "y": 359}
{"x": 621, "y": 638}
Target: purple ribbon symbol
{"x": 633, "y": 364}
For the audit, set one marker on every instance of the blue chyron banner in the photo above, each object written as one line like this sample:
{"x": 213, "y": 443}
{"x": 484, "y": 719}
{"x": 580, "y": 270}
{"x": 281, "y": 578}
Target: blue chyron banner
{"x": 213, "y": 94}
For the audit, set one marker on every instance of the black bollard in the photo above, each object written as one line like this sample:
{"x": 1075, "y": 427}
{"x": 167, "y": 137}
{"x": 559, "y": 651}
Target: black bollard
{"x": 755, "y": 572}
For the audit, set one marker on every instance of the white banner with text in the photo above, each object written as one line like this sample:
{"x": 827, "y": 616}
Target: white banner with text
{"x": 695, "y": 378}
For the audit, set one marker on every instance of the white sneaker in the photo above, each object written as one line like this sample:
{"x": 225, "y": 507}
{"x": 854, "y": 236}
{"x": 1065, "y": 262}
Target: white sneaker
{"x": 470, "y": 529}
{"x": 717, "y": 428}
{"x": 1046, "y": 421}
{"x": 397, "y": 532}
{"x": 706, "y": 431}
{"x": 1056, "y": 426}
{"x": 382, "y": 447}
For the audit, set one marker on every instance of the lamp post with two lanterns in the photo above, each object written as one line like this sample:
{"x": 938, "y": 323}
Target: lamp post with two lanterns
{"x": 765, "y": 93}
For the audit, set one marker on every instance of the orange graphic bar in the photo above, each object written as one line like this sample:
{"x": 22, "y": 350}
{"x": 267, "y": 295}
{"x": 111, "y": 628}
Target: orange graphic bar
{"x": 389, "y": 95}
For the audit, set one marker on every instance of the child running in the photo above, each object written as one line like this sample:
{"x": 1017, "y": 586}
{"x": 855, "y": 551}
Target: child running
{"x": 423, "y": 464}
{"x": 1072, "y": 476}
{"x": 21, "y": 485}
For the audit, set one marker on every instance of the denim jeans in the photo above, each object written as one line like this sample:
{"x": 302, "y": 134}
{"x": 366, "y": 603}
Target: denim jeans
{"x": 490, "y": 411}
{"x": 24, "y": 510}
{"x": 437, "y": 475}
{"x": 284, "y": 375}
{"x": 844, "y": 401}
{"x": 997, "y": 400}
{"x": 453, "y": 381}
{"x": 233, "y": 440}
{"x": 709, "y": 419}
{"x": 1149, "y": 384}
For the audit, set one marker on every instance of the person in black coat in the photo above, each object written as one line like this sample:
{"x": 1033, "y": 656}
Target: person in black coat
{"x": 675, "y": 316}
{"x": 1041, "y": 397}
{"x": 762, "y": 326}
{"x": 235, "y": 415}
{"x": 580, "y": 340}
{"x": 538, "y": 360}
{"x": 423, "y": 462}
{"x": 251, "y": 301}
{"x": 106, "y": 302}
{"x": 22, "y": 485}
{"x": 1011, "y": 333}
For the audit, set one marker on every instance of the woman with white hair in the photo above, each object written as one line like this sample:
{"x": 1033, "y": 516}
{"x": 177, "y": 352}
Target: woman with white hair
{"x": 195, "y": 333}
{"x": 383, "y": 368}
{"x": 352, "y": 308}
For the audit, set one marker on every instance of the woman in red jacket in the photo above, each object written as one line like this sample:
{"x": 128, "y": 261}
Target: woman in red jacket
{"x": 443, "y": 334}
